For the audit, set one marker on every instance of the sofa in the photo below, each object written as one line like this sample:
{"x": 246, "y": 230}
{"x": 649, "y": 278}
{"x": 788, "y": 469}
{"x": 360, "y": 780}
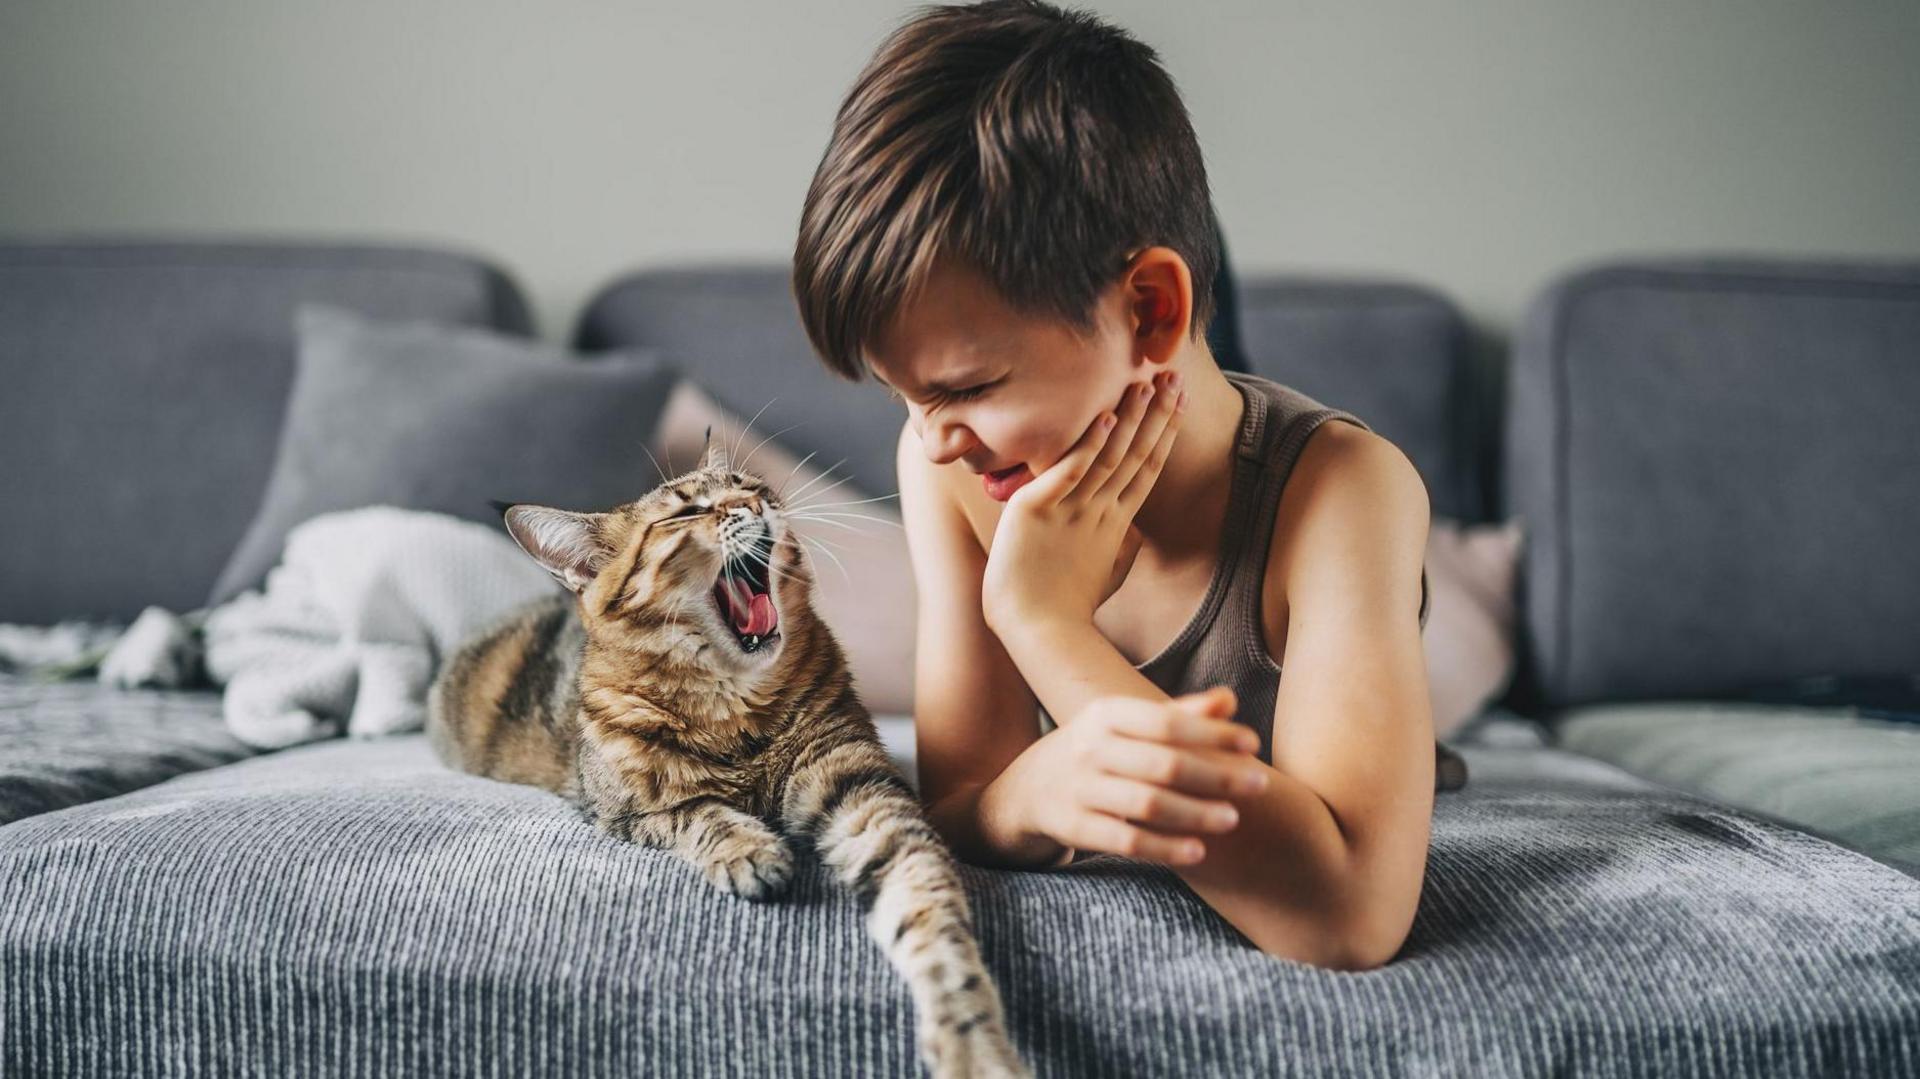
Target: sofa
{"x": 1687, "y": 847}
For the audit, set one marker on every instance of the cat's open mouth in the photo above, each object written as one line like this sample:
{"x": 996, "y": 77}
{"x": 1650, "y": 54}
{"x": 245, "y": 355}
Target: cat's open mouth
{"x": 745, "y": 601}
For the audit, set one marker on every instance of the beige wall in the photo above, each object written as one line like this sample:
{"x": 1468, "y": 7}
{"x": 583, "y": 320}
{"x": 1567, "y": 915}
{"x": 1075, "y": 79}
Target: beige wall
{"x": 1478, "y": 147}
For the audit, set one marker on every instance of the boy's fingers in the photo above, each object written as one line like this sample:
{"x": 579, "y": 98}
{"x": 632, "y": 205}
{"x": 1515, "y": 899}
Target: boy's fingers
{"x": 1185, "y": 727}
{"x": 1100, "y": 831}
{"x": 1147, "y": 449}
{"x": 1218, "y": 701}
{"x": 1164, "y": 809}
{"x": 1207, "y": 773}
{"x": 1135, "y": 406}
{"x": 1153, "y": 458}
{"x": 1060, "y": 478}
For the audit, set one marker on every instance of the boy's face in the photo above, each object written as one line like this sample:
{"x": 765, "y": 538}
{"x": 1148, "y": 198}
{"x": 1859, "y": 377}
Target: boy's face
{"x": 1002, "y": 392}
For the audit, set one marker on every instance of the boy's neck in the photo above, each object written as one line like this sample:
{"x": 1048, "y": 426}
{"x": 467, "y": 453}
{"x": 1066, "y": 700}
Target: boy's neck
{"x": 1181, "y": 513}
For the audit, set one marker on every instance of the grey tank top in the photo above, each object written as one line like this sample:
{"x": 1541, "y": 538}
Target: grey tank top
{"x": 1224, "y": 643}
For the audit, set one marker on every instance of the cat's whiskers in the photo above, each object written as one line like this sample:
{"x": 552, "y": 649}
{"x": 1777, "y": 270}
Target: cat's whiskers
{"x": 796, "y": 470}
{"x": 811, "y": 504}
{"x": 762, "y": 443}
{"x": 795, "y": 496}
{"x": 744, "y": 431}
{"x": 766, "y": 561}
{"x": 822, "y": 511}
{"x": 799, "y": 572}
{"x": 838, "y": 519}
{"x": 656, "y": 461}
{"x": 822, "y": 539}
{"x": 836, "y": 523}
{"x": 844, "y": 575}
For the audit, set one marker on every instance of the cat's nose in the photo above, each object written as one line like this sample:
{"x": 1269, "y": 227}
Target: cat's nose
{"x": 750, "y": 503}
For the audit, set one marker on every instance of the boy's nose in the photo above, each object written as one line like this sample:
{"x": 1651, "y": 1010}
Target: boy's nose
{"x": 945, "y": 442}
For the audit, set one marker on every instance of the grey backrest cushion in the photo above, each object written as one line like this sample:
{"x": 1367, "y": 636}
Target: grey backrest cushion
{"x": 448, "y": 419}
{"x": 141, "y": 393}
{"x": 735, "y": 331}
{"x": 1392, "y": 354}
{"x": 1396, "y": 355}
{"x": 1718, "y": 464}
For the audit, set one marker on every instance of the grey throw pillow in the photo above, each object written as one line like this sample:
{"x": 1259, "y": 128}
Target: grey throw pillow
{"x": 435, "y": 417}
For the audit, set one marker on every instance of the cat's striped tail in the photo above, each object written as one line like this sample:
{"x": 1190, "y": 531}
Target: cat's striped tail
{"x": 870, "y": 830}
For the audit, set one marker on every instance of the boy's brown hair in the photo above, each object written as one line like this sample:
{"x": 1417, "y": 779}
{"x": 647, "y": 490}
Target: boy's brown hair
{"x": 1039, "y": 146}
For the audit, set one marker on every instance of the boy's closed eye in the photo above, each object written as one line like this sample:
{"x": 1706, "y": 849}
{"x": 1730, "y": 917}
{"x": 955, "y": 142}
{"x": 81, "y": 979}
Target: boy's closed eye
{"x": 965, "y": 393}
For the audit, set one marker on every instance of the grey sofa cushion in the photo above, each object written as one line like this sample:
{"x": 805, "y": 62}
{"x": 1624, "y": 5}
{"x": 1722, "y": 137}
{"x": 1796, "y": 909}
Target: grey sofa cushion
{"x": 736, "y": 332}
{"x": 1856, "y": 780}
{"x": 355, "y": 907}
{"x": 431, "y": 417}
{"x": 141, "y": 391}
{"x": 1715, "y": 462}
{"x": 65, "y": 743}
{"x": 1390, "y": 353}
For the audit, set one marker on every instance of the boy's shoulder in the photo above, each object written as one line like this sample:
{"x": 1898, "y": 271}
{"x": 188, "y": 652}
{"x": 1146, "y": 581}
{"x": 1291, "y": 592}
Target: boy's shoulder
{"x": 1353, "y": 503}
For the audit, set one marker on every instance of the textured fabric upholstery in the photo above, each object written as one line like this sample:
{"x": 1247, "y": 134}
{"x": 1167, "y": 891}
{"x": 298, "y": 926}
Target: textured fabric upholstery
{"x": 1850, "y": 778}
{"x": 144, "y": 385}
{"x": 354, "y": 909}
{"x": 1716, "y": 463}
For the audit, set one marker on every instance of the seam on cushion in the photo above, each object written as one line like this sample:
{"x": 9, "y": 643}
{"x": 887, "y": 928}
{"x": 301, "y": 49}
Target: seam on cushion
{"x": 1730, "y": 280}
{"x": 160, "y": 254}
{"x": 1562, "y": 510}
{"x": 501, "y": 297}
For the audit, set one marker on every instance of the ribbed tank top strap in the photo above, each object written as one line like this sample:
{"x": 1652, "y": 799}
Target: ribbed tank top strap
{"x": 1289, "y": 417}
{"x": 1168, "y": 667}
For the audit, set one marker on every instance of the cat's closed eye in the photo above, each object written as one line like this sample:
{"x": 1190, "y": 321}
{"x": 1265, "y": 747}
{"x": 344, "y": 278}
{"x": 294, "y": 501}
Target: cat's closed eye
{"x": 691, "y": 509}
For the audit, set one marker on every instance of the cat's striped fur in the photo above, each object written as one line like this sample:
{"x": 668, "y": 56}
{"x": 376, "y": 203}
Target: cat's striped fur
{"x": 636, "y": 695}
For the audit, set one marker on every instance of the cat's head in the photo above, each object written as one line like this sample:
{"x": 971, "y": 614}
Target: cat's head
{"x": 704, "y": 569}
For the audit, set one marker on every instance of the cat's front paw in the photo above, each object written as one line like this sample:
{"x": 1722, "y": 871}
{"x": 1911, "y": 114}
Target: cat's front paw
{"x": 750, "y": 865}
{"x": 976, "y": 1046}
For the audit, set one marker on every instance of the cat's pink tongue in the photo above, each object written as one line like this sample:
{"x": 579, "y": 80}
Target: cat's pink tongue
{"x": 759, "y": 616}
{"x": 752, "y": 612}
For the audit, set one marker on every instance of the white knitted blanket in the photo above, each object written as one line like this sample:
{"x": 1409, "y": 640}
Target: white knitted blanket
{"x": 351, "y": 626}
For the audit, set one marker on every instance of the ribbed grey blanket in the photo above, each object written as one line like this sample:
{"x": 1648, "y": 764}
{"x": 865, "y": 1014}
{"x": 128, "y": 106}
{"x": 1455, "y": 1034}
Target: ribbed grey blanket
{"x": 354, "y": 909}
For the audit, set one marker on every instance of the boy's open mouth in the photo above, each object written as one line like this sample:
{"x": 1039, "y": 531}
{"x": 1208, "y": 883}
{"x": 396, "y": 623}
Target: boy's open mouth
{"x": 1001, "y": 485}
{"x": 745, "y": 601}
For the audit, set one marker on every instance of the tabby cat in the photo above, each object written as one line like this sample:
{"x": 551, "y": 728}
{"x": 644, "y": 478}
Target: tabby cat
{"x": 684, "y": 695}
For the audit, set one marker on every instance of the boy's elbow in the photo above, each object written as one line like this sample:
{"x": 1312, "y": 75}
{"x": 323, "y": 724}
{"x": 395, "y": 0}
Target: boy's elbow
{"x": 1344, "y": 944}
{"x": 1362, "y": 934}
{"x": 1366, "y": 944}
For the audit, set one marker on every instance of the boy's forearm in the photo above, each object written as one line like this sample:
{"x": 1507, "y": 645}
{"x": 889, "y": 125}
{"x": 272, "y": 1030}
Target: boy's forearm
{"x": 987, "y": 824}
{"x": 1068, "y": 664}
{"x": 1286, "y": 876}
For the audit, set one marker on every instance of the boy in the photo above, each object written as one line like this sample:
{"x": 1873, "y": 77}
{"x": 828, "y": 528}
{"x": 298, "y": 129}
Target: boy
{"x": 1011, "y": 229}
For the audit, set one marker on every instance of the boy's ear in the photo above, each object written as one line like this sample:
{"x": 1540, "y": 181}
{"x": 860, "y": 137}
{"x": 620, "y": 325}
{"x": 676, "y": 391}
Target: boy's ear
{"x": 1159, "y": 292}
{"x": 563, "y": 543}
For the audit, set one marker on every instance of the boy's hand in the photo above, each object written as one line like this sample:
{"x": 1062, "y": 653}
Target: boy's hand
{"x": 1144, "y": 779}
{"x": 1062, "y": 545}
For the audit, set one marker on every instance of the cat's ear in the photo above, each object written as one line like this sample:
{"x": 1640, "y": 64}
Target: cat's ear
{"x": 564, "y": 543}
{"x": 716, "y": 454}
